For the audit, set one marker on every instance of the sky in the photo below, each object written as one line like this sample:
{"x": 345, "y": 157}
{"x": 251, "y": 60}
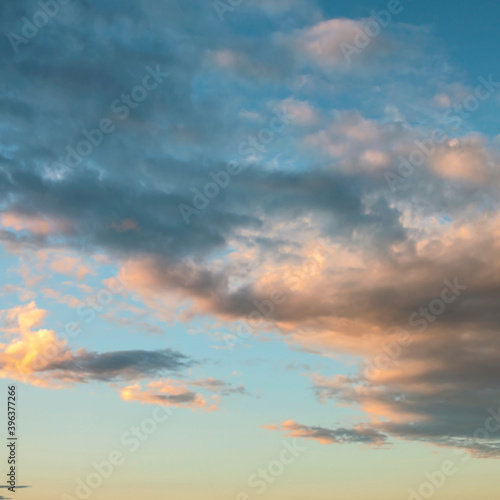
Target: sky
{"x": 249, "y": 248}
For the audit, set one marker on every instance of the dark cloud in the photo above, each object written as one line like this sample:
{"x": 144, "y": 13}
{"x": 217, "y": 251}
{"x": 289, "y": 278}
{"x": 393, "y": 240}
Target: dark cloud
{"x": 340, "y": 435}
{"x": 120, "y": 365}
{"x": 175, "y": 399}
{"x": 441, "y": 389}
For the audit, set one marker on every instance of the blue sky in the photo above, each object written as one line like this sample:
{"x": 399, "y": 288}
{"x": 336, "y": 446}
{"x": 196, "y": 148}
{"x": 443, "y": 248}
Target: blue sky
{"x": 278, "y": 228}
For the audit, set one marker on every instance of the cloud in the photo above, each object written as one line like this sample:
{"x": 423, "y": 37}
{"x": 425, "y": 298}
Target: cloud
{"x": 41, "y": 358}
{"x": 323, "y": 42}
{"x": 340, "y": 435}
{"x": 32, "y": 223}
{"x": 427, "y": 399}
{"x": 166, "y": 393}
{"x": 465, "y": 160}
{"x": 388, "y": 251}
{"x": 171, "y": 392}
{"x": 18, "y": 357}
{"x": 219, "y": 386}
{"x": 121, "y": 365}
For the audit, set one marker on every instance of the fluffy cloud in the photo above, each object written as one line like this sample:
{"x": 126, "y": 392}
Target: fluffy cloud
{"x": 466, "y": 160}
{"x": 170, "y": 392}
{"x": 166, "y": 393}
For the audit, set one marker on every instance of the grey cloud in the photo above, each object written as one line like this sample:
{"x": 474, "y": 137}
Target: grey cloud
{"x": 183, "y": 398}
{"x": 344, "y": 435}
{"x": 443, "y": 386}
{"x": 340, "y": 435}
{"x": 119, "y": 365}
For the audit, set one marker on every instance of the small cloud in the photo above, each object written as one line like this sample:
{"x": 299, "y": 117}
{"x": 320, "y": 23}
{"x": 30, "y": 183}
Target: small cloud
{"x": 358, "y": 434}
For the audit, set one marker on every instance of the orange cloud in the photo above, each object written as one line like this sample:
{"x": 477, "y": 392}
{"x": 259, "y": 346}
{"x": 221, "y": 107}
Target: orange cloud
{"x": 70, "y": 266}
{"x": 168, "y": 392}
{"x": 466, "y": 160}
{"x": 33, "y": 223}
{"x": 357, "y": 434}
{"x": 23, "y": 357}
